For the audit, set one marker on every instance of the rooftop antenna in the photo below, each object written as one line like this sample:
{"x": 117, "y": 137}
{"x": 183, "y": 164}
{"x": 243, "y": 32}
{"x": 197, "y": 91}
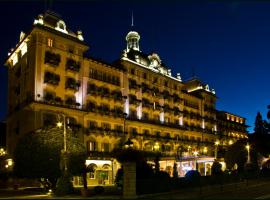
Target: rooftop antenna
{"x": 132, "y": 20}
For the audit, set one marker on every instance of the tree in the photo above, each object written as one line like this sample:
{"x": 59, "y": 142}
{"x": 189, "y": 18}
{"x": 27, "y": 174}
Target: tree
{"x": 268, "y": 113}
{"x": 236, "y": 154}
{"x": 38, "y": 155}
{"x": 259, "y": 125}
{"x": 216, "y": 168}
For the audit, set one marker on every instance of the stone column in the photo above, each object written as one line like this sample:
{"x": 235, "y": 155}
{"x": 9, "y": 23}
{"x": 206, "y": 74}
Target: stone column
{"x": 129, "y": 180}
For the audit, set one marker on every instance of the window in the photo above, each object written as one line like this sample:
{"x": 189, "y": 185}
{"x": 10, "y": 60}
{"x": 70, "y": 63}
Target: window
{"x": 92, "y": 175}
{"x": 106, "y": 126}
{"x": 106, "y": 147}
{"x": 166, "y": 83}
{"x": 133, "y": 130}
{"x": 92, "y": 124}
{"x": 91, "y": 146}
{"x": 118, "y": 128}
{"x": 146, "y": 132}
{"x": 144, "y": 75}
{"x": 132, "y": 71}
{"x": 50, "y": 42}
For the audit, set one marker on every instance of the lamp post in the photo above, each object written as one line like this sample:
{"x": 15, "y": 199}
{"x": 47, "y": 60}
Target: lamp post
{"x": 196, "y": 154}
{"x": 248, "y": 150}
{"x": 216, "y": 148}
{"x": 59, "y": 124}
{"x": 124, "y": 118}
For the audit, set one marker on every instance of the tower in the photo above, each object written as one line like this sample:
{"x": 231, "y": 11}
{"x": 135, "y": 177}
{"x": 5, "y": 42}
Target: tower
{"x": 133, "y": 39}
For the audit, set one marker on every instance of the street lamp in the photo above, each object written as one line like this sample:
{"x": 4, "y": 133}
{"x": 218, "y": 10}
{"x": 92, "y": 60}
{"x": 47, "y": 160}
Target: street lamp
{"x": 60, "y": 124}
{"x": 216, "y": 148}
{"x": 128, "y": 143}
{"x": 248, "y": 150}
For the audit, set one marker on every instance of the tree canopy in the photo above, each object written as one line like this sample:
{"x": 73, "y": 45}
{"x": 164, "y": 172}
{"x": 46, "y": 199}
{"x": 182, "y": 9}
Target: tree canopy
{"x": 38, "y": 154}
{"x": 236, "y": 154}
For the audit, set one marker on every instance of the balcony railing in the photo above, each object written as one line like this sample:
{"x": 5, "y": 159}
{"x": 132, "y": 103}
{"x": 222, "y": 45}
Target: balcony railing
{"x": 73, "y": 65}
{"x": 52, "y": 58}
{"x": 73, "y": 84}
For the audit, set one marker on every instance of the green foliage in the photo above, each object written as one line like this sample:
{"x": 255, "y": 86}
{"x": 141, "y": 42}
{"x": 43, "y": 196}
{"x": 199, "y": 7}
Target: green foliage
{"x": 260, "y": 125}
{"x": 38, "y": 154}
{"x": 236, "y": 154}
{"x": 64, "y": 185}
{"x": 260, "y": 143}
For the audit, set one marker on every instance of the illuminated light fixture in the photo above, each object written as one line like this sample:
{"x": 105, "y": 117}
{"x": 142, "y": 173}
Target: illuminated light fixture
{"x": 217, "y": 143}
{"x": 156, "y": 146}
{"x": 247, "y": 146}
{"x": 161, "y": 117}
{"x": 181, "y": 120}
{"x": 230, "y": 142}
{"x": 195, "y": 153}
{"x": 128, "y": 143}
{"x": 59, "y": 124}
{"x": 203, "y": 124}
{"x": 2, "y": 152}
{"x": 205, "y": 150}
{"x": 80, "y": 36}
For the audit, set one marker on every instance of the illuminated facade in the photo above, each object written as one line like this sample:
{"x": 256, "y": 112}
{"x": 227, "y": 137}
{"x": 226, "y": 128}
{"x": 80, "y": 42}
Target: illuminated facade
{"x": 136, "y": 97}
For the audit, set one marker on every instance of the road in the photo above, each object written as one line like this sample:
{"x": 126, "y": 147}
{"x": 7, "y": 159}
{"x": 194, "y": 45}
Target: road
{"x": 244, "y": 190}
{"x": 258, "y": 189}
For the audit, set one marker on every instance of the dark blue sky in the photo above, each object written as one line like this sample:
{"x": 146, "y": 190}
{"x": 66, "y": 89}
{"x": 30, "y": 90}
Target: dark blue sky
{"x": 226, "y": 44}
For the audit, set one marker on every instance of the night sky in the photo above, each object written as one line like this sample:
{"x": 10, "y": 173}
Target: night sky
{"x": 226, "y": 44}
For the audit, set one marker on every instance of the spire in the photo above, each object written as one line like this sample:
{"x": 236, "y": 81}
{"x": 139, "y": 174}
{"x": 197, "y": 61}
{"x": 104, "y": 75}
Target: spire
{"x": 132, "y": 37}
{"x": 132, "y": 24}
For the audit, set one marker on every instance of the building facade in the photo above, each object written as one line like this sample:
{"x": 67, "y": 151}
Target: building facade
{"x": 136, "y": 97}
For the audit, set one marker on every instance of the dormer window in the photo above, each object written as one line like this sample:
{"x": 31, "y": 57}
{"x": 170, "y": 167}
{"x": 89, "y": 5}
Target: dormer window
{"x": 61, "y": 26}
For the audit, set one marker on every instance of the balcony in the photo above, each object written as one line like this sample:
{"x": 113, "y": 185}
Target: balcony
{"x": 50, "y": 98}
{"x": 72, "y": 84}
{"x": 52, "y": 58}
{"x": 51, "y": 78}
{"x": 73, "y": 65}
{"x": 71, "y": 102}
{"x": 117, "y": 95}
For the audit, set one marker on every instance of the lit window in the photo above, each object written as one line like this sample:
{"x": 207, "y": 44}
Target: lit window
{"x": 106, "y": 147}
{"x": 92, "y": 175}
{"x": 50, "y": 42}
{"x": 91, "y": 146}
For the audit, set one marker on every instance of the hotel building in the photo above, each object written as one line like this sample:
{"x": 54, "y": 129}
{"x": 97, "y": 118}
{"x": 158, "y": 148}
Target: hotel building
{"x": 136, "y": 97}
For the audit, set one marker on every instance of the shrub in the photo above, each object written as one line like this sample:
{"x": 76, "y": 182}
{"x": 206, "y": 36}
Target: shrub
{"x": 98, "y": 189}
{"x": 193, "y": 177}
{"x": 216, "y": 168}
{"x": 64, "y": 185}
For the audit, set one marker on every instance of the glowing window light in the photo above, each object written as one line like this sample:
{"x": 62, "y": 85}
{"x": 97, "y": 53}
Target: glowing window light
{"x": 181, "y": 120}
{"x": 139, "y": 111}
{"x": 161, "y": 117}
{"x": 203, "y": 124}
